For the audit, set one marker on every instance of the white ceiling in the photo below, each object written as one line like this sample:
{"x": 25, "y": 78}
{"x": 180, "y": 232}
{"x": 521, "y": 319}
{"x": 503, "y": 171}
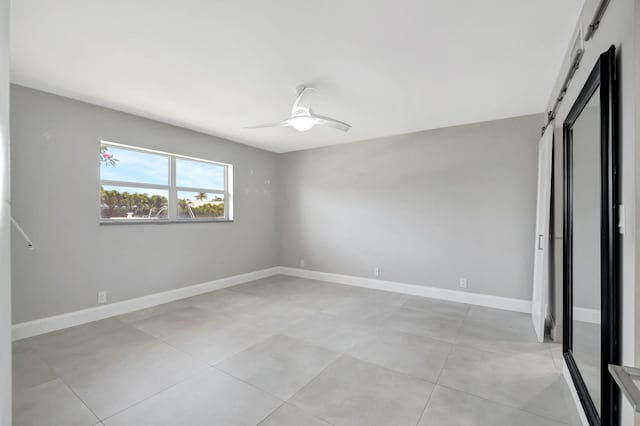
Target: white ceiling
{"x": 384, "y": 66}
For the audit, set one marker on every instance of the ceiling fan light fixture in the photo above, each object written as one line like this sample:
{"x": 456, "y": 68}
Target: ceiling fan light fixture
{"x": 303, "y": 119}
{"x": 302, "y": 123}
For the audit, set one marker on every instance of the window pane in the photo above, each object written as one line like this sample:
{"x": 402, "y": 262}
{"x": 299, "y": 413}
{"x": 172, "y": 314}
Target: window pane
{"x": 133, "y": 166}
{"x": 200, "y": 205}
{"x": 196, "y": 174}
{"x": 121, "y": 202}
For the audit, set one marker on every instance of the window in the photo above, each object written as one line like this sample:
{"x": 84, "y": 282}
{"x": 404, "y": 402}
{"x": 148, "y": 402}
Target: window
{"x": 143, "y": 185}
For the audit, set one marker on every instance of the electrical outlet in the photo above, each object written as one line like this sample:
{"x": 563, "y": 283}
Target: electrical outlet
{"x": 376, "y": 271}
{"x": 302, "y": 263}
{"x": 102, "y": 297}
{"x": 464, "y": 283}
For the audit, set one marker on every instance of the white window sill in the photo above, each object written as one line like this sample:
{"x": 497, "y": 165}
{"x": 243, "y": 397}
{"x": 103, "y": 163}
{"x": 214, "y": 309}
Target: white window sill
{"x": 160, "y": 221}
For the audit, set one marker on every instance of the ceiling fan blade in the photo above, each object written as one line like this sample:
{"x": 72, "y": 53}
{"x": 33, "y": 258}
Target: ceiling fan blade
{"x": 303, "y": 101}
{"x": 283, "y": 123}
{"x": 331, "y": 122}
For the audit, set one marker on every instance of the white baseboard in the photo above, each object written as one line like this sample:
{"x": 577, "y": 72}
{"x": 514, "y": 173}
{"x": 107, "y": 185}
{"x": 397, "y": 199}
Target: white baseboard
{"x": 574, "y": 393}
{"x": 591, "y": 316}
{"x": 497, "y": 302}
{"x": 58, "y": 322}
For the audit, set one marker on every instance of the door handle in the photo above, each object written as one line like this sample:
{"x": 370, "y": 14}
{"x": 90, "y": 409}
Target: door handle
{"x": 540, "y": 236}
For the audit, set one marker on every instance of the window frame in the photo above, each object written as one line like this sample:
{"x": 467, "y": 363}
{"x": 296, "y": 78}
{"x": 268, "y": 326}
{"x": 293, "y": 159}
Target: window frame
{"x": 171, "y": 188}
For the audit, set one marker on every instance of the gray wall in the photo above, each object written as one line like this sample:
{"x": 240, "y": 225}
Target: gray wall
{"x": 55, "y": 182}
{"x": 5, "y": 274}
{"x": 427, "y": 208}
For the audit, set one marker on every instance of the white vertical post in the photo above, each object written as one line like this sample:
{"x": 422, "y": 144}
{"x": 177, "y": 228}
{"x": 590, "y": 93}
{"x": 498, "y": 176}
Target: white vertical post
{"x": 5, "y": 214}
{"x": 173, "y": 192}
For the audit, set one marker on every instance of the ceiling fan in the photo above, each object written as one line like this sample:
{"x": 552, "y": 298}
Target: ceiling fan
{"x": 302, "y": 118}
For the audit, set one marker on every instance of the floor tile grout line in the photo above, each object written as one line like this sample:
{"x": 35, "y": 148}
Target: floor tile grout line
{"x": 81, "y": 400}
{"x": 462, "y": 346}
{"x": 55, "y": 379}
{"x": 189, "y": 377}
{"x": 354, "y": 356}
{"x": 285, "y": 403}
{"x": 501, "y": 352}
{"x": 370, "y": 336}
{"x": 154, "y": 340}
{"x": 426, "y": 405}
{"x": 438, "y": 339}
{"x": 366, "y": 362}
{"x": 451, "y": 348}
{"x": 207, "y": 362}
{"x": 226, "y": 373}
{"x": 444, "y": 364}
{"x": 270, "y": 413}
{"x": 326, "y": 367}
{"x": 36, "y": 353}
{"x": 186, "y": 353}
{"x": 340, "y": 354}
{"x": 271, "y": 335}
{"x": 459, "y": 331}
{"x": 309, "y": 383}
{"x": 464, "y": 320}
{"x": 411, "y": 376}
{"x": 346, "y": 353}
{"x": 454, "y": 316}
{"x": 504, "y": 404}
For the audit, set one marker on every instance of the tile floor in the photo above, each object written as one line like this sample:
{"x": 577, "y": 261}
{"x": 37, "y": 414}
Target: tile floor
{"x": 289, "y": 351}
